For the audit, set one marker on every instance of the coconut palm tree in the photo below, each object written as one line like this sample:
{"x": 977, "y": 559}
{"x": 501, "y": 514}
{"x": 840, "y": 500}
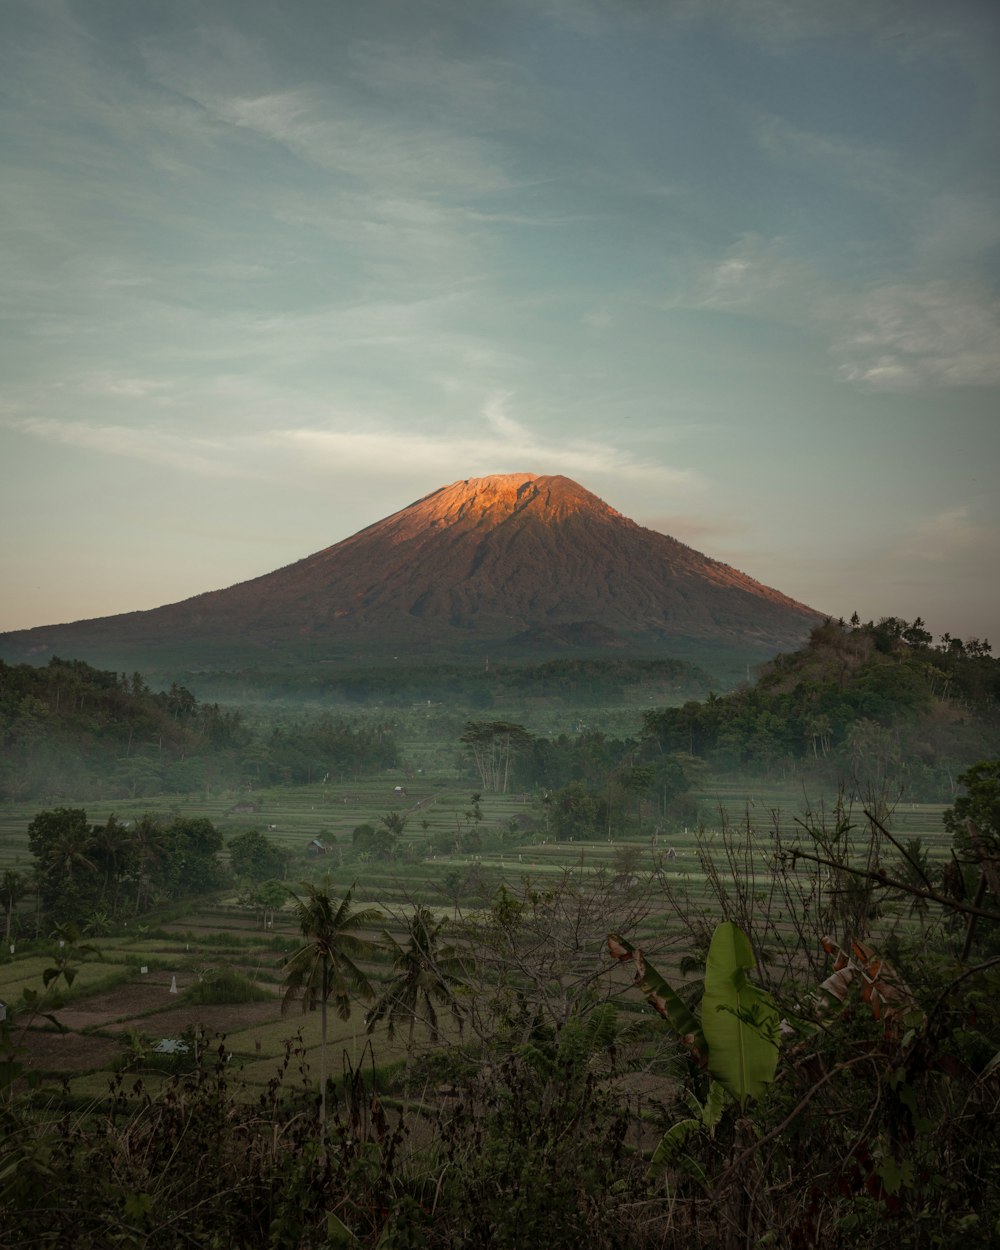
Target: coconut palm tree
{"x": 427, "y": 975}
{"x": 326, "y": 965}
{"x": 13, "y": 887}
{"x": 112, "y": 847}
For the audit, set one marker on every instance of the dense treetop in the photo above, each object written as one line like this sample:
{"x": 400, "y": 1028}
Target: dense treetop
{"x": 872, "y": 701}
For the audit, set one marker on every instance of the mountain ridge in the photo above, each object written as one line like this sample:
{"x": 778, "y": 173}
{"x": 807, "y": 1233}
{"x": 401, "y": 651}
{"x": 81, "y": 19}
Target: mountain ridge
{"x": 479, "y": 562}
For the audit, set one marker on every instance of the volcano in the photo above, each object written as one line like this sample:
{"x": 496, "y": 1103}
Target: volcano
{"x": 504, "y": 562}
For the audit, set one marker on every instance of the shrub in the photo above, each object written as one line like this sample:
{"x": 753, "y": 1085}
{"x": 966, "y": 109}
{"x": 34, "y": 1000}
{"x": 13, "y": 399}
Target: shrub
{"x": 226, "y": 985}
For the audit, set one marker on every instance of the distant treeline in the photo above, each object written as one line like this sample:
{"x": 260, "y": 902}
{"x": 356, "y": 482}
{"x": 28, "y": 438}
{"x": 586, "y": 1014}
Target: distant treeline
{"x": 876, "y": 702}
{"x": 69, "y": 730}
{"x": 99, "y": 873}
{"x": 590, "y": 784}
{"x": 580, "y": 682}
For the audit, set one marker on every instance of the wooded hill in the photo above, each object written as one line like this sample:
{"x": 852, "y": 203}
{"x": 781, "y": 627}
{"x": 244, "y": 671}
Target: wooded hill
{"x": 877, "y": 702}
{"x": 69, "y": 730}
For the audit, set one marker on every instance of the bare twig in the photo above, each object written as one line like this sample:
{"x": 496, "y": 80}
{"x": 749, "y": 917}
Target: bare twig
{"x": 890, "y": 884}
{"x": 914, "y": 864}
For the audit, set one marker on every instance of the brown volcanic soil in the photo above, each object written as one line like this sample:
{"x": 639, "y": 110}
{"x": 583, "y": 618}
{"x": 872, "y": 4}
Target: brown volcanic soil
{"x": 69, "y": 1052}
{"x": 147, "y": 1006}
{"x": 482, "y": 559}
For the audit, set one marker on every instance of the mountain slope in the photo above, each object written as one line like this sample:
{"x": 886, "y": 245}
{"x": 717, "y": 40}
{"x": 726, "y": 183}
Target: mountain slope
{"x": 481, "y": 562}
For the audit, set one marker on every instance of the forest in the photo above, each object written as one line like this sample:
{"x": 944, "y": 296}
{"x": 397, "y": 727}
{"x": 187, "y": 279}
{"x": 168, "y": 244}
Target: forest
{"x": 69, "y": 730}
{"x": 565, "y": 987}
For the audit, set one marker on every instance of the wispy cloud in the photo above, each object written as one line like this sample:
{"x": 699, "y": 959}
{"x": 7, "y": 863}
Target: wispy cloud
{"x": 496, "y": 442}
{"x": 341, "y": 135}
{"x": 902, "y": 336}
{"x": 952, "y": 534}
{"x": 784, "y": 25}
{"x": 199, "y": 457}
{"x": 697, "y": 531}
{"x": 754, "y": 276}
{"x": 839, "y": 159}
{"x": 480, "y": 87}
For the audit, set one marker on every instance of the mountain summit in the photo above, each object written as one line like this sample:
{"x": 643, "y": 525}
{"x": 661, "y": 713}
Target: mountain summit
{"x": 517, "y": 559}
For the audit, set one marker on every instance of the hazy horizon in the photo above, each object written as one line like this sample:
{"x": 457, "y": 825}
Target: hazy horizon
{"x": 271, "y": 276}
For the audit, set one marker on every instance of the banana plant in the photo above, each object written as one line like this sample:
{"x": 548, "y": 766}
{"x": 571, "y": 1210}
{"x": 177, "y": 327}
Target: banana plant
{"x": 673, "y": 1144}
{"x": 737, "y": 1037}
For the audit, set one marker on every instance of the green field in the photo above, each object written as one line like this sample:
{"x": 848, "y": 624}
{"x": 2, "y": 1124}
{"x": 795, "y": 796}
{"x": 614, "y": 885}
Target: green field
{"x": 127, "y": 978}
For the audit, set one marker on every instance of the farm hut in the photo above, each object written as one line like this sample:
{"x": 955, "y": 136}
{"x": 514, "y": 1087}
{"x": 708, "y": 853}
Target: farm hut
{"x": 171, "y": 1046}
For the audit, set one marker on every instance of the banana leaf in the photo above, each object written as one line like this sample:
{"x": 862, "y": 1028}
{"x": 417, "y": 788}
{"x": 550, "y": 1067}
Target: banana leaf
{"x": 739, "y": 1021}
{"x": 661, "y": 996}
{"x": 671, "y": 1150}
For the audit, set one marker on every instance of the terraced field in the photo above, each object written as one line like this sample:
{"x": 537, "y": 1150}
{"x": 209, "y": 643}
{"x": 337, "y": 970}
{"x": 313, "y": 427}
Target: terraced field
{"x": 136, "y": 987}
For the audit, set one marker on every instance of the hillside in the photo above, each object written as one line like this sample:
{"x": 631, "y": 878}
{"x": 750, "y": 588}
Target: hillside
{"x": 874, "y": 704}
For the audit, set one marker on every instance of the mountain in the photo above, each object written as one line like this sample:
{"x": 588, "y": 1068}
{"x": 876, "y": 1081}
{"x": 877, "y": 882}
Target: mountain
{"x": 486, "y": 564}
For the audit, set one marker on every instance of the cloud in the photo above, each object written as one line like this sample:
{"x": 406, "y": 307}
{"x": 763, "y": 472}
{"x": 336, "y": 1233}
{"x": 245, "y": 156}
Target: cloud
{"x": 876, "y": 170}
{"x": 754, "y": 276}
{"x": 904, "y": 335}
{"x": 116, "y": 386}
{"x": 598, "y": 319}
{"x": 696, "y": 530}
{"x": 199, "y": 456}
{"x": 957, "y": 228}
{"x": 495, "y": 442}
{"x": 488, "y": 89}
{"x": 340, "y": 134}
{"x": 952, "y": 535}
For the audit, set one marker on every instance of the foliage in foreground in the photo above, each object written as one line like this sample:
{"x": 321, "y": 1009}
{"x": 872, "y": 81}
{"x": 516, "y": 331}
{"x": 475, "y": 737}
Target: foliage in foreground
{"x": 869, "y": 1125}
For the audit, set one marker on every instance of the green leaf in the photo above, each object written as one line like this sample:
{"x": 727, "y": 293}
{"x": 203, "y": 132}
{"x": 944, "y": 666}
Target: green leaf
{"x": 671, "y": 1148}
{"x": 137, "y": 1206}
{"x": 715, "y": 1104}
{"x": 739, "y": 1020}
{"x": 337, "y": 1232}
{"x": 674, "y": 1140}
{"x": 896, "y": 1175}
{"x": 660, "y": 994}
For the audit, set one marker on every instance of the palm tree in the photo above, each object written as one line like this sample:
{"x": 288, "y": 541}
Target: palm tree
{"x": 112, "y": 846}
{"x": 13, "y": 887}
{"x": 69, "y": 869}
{"x": 148, "y": 854}
{"x": 325, "y": 965}
{"x": 71, "y": 851}
{"x": 426, "y": 974}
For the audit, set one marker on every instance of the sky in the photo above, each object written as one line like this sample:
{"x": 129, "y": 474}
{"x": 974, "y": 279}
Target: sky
{"x": 271, "y": 273}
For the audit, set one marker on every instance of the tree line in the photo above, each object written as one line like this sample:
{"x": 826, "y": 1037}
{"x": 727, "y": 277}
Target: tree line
{"x": 68, "y": 730}
{"x": 579, "y": 682}
{"x": 100, "y": 874}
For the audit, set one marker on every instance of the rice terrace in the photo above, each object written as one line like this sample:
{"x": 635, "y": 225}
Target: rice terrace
{"x": 396, "y": 954}
{"x": 139, "y": 983}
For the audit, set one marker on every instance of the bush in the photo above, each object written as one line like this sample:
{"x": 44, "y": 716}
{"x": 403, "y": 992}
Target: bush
{"x": 226, "y": 985}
